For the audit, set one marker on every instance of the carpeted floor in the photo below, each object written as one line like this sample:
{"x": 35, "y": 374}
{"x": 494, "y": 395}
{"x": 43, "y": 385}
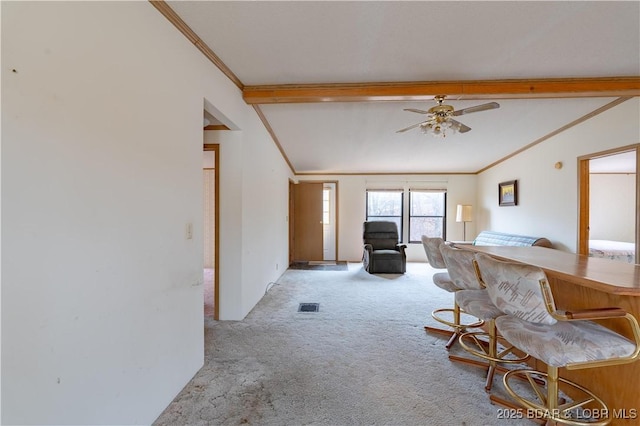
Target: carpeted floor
{"x": 363, "y": 359}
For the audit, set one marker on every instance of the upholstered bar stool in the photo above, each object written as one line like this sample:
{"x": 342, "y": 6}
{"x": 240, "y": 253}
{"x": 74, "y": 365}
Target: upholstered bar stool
{"x": 462, "y": 273}
{"x": 449, "y": 316}
{"x": 484, "y": 344}
{"x": 558, "y": 338}
{"x": 474, "y": 300}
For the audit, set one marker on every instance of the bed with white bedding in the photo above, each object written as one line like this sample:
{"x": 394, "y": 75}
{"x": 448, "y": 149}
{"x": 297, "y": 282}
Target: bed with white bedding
{"x": 614, "y": 250}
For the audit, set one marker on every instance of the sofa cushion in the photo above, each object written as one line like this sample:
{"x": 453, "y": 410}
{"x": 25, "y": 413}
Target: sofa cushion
{"x": 492, "y": 238}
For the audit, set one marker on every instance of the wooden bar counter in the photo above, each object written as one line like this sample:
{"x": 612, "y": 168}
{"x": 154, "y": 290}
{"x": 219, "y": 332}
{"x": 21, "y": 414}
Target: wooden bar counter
{"x": 582, "y": 282}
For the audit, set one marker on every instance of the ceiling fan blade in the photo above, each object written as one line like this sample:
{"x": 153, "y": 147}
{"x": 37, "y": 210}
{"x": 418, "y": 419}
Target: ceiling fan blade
{"x": 477, "y": 108}
{"x": 419, "y": 111}
{"x": 410, "y": 127}
{"x": 462, "y": 128}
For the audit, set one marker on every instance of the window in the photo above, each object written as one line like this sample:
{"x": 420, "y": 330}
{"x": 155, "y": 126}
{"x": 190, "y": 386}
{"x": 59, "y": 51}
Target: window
{"x": 325, "y": 206}
{"x": 425, "y": 211}
{"x": 427, "y": 214}
{"x": 385, "y": 205}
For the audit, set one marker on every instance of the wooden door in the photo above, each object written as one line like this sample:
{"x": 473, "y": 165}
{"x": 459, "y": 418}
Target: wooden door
{"x": 307, "y": 234}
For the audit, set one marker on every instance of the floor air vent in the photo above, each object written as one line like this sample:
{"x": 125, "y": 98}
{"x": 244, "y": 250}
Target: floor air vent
{"x": 309, "y": 307}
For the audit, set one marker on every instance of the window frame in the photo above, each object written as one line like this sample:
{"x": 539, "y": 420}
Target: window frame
{"x": 443, "y": 216}
{"x": 402, "y": 210}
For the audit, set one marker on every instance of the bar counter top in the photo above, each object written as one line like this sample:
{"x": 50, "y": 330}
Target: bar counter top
{"x": 605, "y": 275}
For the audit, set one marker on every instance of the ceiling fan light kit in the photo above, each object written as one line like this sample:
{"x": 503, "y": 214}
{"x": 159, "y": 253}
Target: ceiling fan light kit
{"x": 439, "y": 120}
{"x": 439, "y": 128}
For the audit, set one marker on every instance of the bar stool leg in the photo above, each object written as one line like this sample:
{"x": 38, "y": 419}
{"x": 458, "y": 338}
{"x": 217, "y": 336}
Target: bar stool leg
{"x": 456, "y": 320}
{"x": 552, "y": 388}
{"x": 549, "y": 407}
{"x": 493, "y": 354}
{"x": 456, "y": 327}
{"x": 488, "y": 351}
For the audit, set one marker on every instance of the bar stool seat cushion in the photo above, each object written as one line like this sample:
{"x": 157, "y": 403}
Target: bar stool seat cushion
{"x": 443, "y": 280}
{"x": 564, "y": 343}
{"x": 477, "y": 303}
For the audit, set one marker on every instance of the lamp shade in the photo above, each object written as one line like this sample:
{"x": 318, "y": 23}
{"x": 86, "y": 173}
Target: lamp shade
{"x": 464, "y": 213}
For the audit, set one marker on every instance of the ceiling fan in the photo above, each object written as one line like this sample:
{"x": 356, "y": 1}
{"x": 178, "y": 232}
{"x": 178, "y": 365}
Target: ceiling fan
{"x": 439, "y": 118}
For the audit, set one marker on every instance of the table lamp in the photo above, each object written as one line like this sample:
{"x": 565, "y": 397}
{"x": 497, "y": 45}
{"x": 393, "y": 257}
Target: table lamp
{"x": 464, "y": 214}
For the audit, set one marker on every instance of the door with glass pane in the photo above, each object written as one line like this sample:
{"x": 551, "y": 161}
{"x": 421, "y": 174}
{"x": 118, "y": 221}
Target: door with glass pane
{"x": 329, "y": 221}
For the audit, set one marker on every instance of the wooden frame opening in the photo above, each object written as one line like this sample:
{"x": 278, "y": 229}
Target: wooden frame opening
{"x": 584, "y": 197}
{"x": 216, "y": 263}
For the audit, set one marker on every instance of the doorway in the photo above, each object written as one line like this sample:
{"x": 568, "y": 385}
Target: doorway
{"x": 313, "y": 224}
{"x": 609, "y": 196}
{"x": 211, "y": 216}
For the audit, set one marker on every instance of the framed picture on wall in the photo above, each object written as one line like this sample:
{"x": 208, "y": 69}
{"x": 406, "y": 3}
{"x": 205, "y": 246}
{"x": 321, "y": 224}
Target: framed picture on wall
{"x": 508, "y": 193}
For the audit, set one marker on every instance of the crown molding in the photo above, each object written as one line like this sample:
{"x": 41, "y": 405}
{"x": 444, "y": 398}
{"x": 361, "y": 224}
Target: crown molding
{"x": 267, "y": 126}
{"x": 182, "y": 26}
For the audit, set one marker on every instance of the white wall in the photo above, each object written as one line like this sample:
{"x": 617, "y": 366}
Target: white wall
{"x": 548, "y": 198}
{"x": 102, "y": 304}
{"x": 265, "y": 229}
{"x": 612, "y": 211}
{"x": 254, "y": 194}
{"x": 461, "y": 189}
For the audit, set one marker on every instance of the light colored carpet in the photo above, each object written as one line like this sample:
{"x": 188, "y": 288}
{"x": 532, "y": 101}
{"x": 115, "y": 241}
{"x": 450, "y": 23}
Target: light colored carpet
{"x": 364, "y": 359}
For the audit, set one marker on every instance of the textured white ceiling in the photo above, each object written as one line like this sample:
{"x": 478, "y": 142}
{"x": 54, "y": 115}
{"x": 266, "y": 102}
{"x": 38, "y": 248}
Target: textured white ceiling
{"x": 360, "y": 137}
{"x": 392, "y": 41}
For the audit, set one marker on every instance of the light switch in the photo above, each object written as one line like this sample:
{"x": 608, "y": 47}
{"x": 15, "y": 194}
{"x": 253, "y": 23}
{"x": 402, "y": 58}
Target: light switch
{"x": 188, "y": 232}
